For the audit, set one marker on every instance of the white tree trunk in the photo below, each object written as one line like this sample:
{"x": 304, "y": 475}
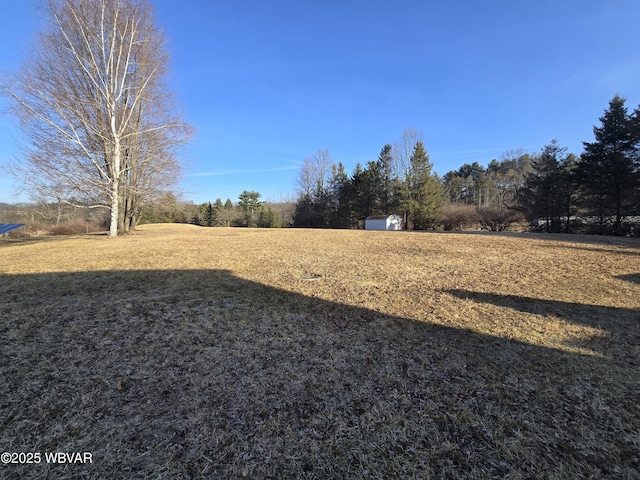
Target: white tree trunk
{"x": 113, "y": 226}
{"x": 115, "y": 178}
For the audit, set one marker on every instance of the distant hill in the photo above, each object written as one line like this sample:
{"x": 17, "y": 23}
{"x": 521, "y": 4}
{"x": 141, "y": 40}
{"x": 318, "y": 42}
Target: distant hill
{"x": 6, "y": 206}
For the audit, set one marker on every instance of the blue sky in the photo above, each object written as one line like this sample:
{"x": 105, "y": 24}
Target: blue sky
{"x": 268, "y": 83}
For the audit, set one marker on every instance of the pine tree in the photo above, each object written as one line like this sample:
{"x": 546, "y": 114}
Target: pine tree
{"x": 608, "y": 168}
{"x": 385, "y": 169}
{"x": 250, "y": 205}
{"x": 372, "y": 189}
{"x": 474, "y": 176}
{"x": 268, "y": 219}
{"x": 425, "y": 190}
{"x": 544, "y": 187}
{"x": 357, "y": 196}
{"x": 339, "y": 191}
{"x": 217, "y": 208}
{"x": 209, "y": 218}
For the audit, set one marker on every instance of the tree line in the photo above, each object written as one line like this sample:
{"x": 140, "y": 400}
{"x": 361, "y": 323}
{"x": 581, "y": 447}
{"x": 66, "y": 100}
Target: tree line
{"x": 555, "y": 191}
{"x": 69, "y": 218}
{"x": 596, "y": 192}
{"x": 249, "y": 211}
{"x": 102, "y": 136}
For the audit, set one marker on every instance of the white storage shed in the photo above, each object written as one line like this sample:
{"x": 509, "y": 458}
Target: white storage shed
{"x": 383, "y": 222}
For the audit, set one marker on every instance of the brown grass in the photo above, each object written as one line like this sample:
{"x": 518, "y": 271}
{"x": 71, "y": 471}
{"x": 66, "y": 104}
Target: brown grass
{"x": 187, "y": 352}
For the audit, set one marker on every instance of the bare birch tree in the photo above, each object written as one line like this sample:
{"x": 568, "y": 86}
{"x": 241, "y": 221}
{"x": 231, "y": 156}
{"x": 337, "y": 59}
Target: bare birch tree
{"x": 313, "y": 177}
{"x": 403, "y": 149}
{"x": 92, "y": 102}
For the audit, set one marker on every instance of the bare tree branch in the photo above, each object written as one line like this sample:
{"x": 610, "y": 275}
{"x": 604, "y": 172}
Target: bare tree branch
{"x": 92, "y": 103}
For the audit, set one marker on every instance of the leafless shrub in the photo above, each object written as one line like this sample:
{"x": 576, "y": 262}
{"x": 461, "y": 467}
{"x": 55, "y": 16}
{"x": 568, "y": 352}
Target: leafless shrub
{"x": 498, "y": 218}
{"x": 74, "y": 228}
{"x": 456, "y": 216}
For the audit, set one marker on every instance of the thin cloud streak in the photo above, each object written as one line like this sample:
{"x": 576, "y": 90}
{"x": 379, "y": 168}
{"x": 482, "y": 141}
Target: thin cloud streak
{"x": 238, "y": 172}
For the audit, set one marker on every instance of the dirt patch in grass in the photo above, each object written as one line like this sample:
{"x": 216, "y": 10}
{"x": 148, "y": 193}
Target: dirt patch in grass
{"x": 185, "y": 352}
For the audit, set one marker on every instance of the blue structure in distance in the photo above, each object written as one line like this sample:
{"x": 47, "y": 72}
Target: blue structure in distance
{"x": 7, "y": 227}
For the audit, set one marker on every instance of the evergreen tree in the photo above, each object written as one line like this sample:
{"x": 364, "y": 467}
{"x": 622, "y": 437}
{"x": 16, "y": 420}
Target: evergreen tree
{"x": 305, "y": 213}
{"x": 371, "y": 192}
{"x": 400, "y": 205}
{"x": 608, "y": 168}
{"x": 385, "y": 170}
{"x": 250, "y": 204}
{"x": 268, "y": 219}
{"x": 339, "y": 187}
{"x": 357, "y": 196}
{"x": 217, "y": 208}
{"x": 545, "y": 187}
{"x": 210, "y": 215}
{"x": 453, "y": 186}
{"x": 473, "y": 184}
{"x": 196, "y": 218}
{"x": 519, "y": 166}
{"x": 426, "y": 192}
{"x": 569, "y": 195}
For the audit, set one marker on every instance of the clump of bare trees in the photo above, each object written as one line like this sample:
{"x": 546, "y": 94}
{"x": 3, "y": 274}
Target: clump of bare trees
{"x": 92, "y": 102}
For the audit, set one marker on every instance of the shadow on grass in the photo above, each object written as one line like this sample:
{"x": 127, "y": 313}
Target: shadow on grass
{"x": 620, "y": 322}
{"x": 620, "y": 342}
{"x": 592, "y": 240}
{"x": 13, "y": 241}
{"x": 617, "y": 249}
{"x": 200, "y": 374}
{"x": 632, "y": 277}
{"x": 9, "y": 242}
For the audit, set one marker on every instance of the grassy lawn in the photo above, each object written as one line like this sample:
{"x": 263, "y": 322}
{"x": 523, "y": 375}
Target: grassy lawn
{"x": 187, "y": 352}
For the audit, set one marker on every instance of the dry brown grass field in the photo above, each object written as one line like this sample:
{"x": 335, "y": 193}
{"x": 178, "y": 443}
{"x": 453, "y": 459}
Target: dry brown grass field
{"x": 187, "y": 352}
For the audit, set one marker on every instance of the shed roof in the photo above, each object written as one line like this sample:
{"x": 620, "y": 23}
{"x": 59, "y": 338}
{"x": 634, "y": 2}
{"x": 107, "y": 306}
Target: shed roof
{"x": 379, "y": 217}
